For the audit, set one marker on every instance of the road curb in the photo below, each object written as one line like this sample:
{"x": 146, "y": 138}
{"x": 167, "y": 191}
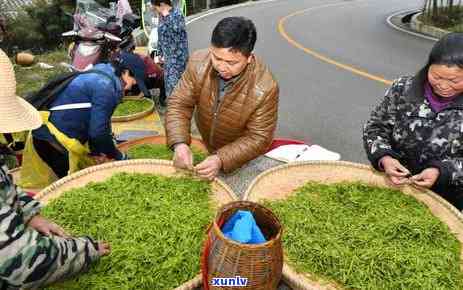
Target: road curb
{"x": 196, "y": 17}
{"x": 407, "y": 29}
{"x": 418, "y": 25}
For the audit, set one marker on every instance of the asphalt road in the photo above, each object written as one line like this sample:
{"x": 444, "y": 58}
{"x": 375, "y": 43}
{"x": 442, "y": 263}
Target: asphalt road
{"x": 321, "y": 102}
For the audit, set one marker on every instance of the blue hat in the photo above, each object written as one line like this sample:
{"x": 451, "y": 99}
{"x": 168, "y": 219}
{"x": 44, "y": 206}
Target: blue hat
{"x": 136, "y": 65}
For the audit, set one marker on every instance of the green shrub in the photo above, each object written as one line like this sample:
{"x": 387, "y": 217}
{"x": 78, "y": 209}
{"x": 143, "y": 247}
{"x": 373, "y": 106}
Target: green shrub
{"x": 33, "y": 28}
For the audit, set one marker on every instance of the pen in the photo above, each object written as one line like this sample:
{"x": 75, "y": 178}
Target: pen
{"x": 303, "y": 150}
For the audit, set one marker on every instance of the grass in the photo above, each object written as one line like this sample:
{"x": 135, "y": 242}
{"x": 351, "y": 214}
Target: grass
{"x": 457, "y": 28}
{"x": 32, "y": 78}
{"x": 129, "y": 107}
{"x": 365, "y": 237}
{"x": 161, "y": 151}
{"x": 155, "y": 226}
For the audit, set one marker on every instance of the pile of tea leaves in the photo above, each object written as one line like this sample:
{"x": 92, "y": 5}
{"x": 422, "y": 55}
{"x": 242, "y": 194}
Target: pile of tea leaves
{"x": 155, "y": 226}
{"x": 366, "y": 237}
{"x": 161, "y": 151}
{"x": 130, "y": 107}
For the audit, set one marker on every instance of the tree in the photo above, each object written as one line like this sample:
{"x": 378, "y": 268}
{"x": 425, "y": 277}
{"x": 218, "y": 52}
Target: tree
{"x": 443, "y": 13}
{"x": 37, "y": 26}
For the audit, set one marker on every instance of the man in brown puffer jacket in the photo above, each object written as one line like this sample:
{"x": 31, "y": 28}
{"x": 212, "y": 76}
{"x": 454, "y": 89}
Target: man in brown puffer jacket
{"x": 234, "y": 97}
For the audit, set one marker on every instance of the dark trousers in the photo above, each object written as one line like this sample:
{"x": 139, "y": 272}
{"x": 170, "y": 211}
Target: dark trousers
{"x": 452, "y": 194}
{"x": 157, "y": 83}
{"x": 55, "y": 156}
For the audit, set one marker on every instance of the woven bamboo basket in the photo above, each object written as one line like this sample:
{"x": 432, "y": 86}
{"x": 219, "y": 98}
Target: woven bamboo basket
{"x": 261, "y": 264}
{"x": 279, "y": 182}
{"x": 136, "y": 115}
{"x": 221, "y": 193}
{"x": 24, "y": 59}
{"x": 193, "y": 284}
{"x": 133, "y": 97}
{"x": 125, "y": 146}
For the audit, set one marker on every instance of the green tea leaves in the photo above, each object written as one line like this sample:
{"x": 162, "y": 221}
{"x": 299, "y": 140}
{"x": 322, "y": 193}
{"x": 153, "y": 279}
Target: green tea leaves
{"x": 366, "y": 237}
{"x": 155, "y": 226}
{"x": 160, "y": 151}
{"x": 130, "y": 107}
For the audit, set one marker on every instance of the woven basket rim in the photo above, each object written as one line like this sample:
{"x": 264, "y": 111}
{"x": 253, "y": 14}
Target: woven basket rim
{"x": 192, "y": 284}
{"x": 299, "y": 280}
{"x": 117, "y": 164}
{"x": 248, "y": 194}
{"x": 288, "y": 276}
{"x": 134, "y": 97}
{"x": 188, "y": 285}
{"x": 219, "y": 232}
{"x": 134, "y": 116}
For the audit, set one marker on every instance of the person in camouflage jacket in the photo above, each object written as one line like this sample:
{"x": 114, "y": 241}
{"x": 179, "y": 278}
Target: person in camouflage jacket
{"x": 416, "y": 133}
{"x": 34, "y": 251}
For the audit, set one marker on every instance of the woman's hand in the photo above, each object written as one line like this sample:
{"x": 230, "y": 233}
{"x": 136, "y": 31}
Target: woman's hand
{"x": 396, "y": 172}
{"x": 46, "y": 227}
{"x": 426, "y": 178}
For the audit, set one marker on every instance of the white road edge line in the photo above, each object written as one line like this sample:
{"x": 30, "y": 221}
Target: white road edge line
{"x": 389, "y": 22}
{"x": 220, "y": 10}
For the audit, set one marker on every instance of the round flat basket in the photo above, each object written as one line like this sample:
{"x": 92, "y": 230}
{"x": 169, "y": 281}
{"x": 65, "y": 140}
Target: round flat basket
{"x": 136, "y": 115}
{"x": 193, "y": 284}
{"x": 279, "y": 183}
{"x": 221, "y": 193}
{"x": 124, "y": 147}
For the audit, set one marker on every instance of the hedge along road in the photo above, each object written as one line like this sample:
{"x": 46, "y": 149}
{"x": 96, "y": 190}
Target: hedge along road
{"x": 333, "y": 60}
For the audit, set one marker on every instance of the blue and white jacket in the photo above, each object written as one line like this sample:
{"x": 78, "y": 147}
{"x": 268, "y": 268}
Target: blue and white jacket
{"x": 93, "y": 125}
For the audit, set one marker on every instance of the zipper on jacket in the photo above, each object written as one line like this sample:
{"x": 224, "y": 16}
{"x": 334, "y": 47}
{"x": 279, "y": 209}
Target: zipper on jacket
{"x": 217, "y": 104}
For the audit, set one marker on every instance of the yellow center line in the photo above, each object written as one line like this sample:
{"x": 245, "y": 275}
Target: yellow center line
{"x": 282, "y": 31}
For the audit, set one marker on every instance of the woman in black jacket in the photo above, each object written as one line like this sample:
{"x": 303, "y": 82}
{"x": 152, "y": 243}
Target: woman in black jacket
{"x": 416, "y": 133}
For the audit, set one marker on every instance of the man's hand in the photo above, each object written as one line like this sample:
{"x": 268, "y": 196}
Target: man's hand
{"x": 209, "y": 168}
{"x": 183, "y": 157}
{"x": 46, "y": 227}
{"x": 426, "y": 178}
{"x": 103, "y": 248}
{"x": 396, "y": 172}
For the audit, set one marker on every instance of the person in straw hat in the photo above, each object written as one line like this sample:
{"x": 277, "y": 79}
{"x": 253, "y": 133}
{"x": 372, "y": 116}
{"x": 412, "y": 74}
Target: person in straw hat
{"x": 33, "y": 250}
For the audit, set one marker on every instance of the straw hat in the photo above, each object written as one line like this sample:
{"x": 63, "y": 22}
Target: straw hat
{"x": 15, "y": 113}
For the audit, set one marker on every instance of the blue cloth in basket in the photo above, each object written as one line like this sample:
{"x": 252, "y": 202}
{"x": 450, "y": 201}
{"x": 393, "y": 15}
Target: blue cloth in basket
{"x": 242, "y": 227}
